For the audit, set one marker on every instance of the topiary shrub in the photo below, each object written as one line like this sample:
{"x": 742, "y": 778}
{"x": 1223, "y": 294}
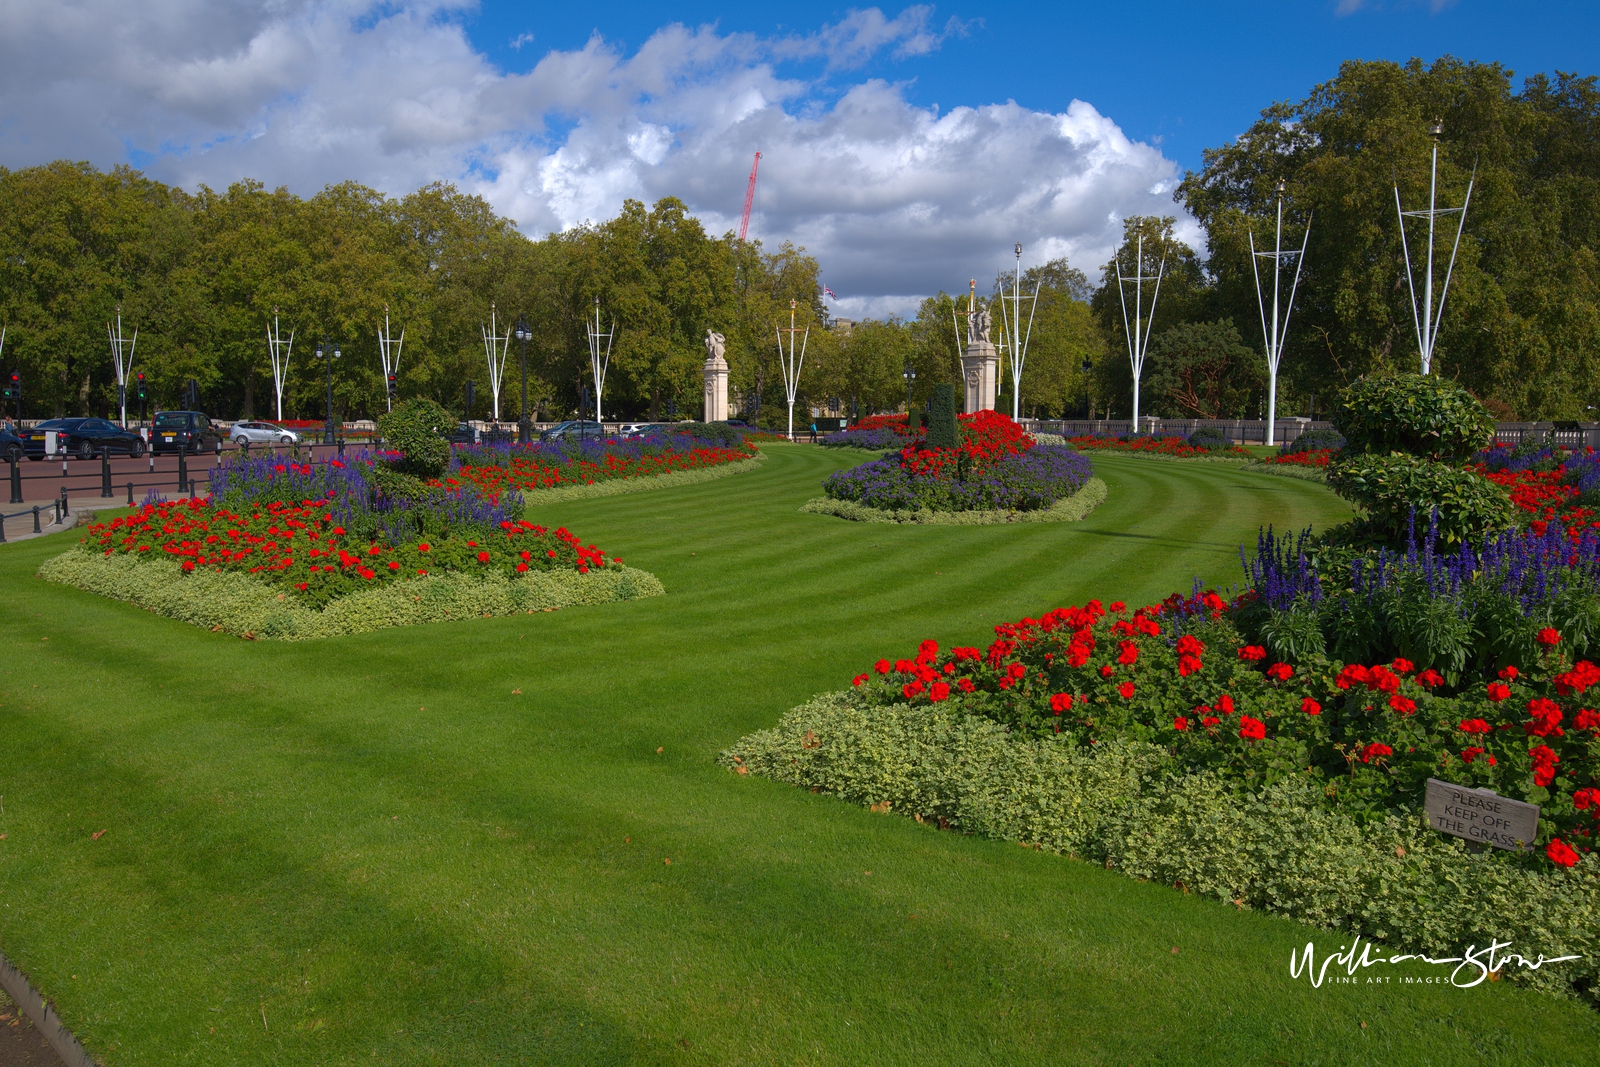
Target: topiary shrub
{"x": 1319, "y": 440}
{"x": 731, "y": 436}
{"x": 419, "y": 429}
{"x": 1420, "y": 415}
{"x": 942, "y": 432}
{"x": 1210, "y": 438}
{"x": 1393, "y": 489}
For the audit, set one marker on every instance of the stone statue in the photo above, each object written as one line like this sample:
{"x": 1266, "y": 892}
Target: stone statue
{"x": 978, "y": 326}
{"x": 716, "y": 345}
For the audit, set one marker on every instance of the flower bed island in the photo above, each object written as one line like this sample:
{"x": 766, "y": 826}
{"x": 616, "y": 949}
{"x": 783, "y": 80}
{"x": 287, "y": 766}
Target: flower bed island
{"x": 578, "y": 468}
{"x": 994, "y": 473}
{"x": 294, "y": 549}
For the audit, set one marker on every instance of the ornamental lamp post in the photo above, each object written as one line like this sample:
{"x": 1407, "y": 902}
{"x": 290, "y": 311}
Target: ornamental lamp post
{"x": 910, "y": 375}
{"x": 522, "y": 333}
{"x": 328, "y": 351}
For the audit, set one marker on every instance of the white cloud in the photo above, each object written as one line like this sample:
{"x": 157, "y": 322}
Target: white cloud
{"x": 895, "y": 200}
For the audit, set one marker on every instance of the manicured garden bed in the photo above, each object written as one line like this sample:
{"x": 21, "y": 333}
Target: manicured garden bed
{"x": 988, "y": 471}
{"x": 308, "y": 548}
{"x": 1158, "y": 446}
{"x": 573, "y": 462}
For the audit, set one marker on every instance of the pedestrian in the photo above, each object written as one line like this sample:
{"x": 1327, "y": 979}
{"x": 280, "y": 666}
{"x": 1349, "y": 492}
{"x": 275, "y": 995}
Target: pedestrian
{"x": 813, "y": 431}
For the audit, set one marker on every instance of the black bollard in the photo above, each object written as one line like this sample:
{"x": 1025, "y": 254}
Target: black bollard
{"x": 16, "y": 481}
{"x": 105, "y": 473}
{"x": 183, "y": 470}
{"x": 130, "y": 494}
{"x": 36, "y": 519}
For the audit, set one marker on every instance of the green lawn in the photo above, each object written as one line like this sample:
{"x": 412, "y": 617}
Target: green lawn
{"x": 372, "y": 850}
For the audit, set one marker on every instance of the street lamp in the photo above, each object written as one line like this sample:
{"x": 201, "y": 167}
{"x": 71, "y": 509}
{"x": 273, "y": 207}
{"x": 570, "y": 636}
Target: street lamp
{"x": 522, "y": 333}
{"x": 910, "y": 375}
{"x": 328, "y": 351}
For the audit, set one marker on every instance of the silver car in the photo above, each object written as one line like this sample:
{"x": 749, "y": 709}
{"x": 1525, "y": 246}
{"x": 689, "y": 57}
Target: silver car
{"x": 261, "y": 433}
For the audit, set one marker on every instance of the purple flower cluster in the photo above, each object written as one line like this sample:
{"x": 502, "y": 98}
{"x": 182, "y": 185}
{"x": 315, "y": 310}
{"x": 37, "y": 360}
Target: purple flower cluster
{"x": 1516, "y": 458}
{"x": 1029, "y": 481}
{"x": 1582, "y": 469}
{"x": 1282, "y": 571}
{"x": 565, "y": 451}
{"x": 351, "y": 486}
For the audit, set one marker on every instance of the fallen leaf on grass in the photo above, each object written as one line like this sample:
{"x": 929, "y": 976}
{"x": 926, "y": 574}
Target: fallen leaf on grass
{"x": 660, "y": 750}
{"x": 667, "y": 861}
{"x": 96, "y": 835}
{"x": 881, "y": 807}
{"x": 743, "y": 770}
{"x": 1174, "y": 950}
{"x": 516, "y": 692}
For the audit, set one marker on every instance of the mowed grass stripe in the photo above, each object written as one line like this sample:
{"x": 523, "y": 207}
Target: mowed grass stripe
{"x": 254, "y": 858}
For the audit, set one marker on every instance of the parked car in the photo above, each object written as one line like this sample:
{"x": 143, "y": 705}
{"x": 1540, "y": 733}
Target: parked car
{"x": 10, "y": 444}
{"x": 574, "y": 428}
{"x": 464, "y": 434}
{"x": 642, "y": 429}
{"x": 183, "y": 431}
{"x": 262, "y": 433}
{"x": 83, "y": 438}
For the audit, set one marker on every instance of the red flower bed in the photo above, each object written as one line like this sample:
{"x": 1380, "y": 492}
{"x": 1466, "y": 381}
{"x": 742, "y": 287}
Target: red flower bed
{"x": 1179, "y": 674}
{"x": 1543, "y": 498}
{"x": 301, "y": 548}
{"x": 986, "y": 436}
{"x": 532, "y": 469}
{"x": 1311, "y": 458}
{"x": 1160, "y": 446}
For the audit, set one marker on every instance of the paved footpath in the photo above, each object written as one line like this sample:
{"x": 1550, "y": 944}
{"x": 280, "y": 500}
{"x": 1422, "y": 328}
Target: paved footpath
{"x": 20, "y": 527}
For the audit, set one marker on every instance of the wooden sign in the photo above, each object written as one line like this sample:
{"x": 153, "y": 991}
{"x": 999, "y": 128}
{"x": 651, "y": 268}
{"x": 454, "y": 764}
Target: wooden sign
{"x": 1482, "y": 816}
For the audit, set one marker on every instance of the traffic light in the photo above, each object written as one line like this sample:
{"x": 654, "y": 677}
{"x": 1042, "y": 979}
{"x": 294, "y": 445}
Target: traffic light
{"x": 140, "y": 379}
{"x": 14, "y": 385}
{"x": 391, "y": 386}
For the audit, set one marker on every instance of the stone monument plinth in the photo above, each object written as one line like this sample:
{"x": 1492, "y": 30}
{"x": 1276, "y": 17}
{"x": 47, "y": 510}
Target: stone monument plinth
{"x": 716, "y": 373}
{"x": 980, "y": 366}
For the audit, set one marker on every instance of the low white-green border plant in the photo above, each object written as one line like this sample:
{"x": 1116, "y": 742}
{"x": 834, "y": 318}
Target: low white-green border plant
{"x": 1068, "y": 509}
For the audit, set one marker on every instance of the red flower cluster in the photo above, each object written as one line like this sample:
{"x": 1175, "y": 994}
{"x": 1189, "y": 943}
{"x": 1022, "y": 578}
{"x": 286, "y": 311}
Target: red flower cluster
{"x": 537, "y": 470}
{"x": 299, "y": 546}
{"x": 1311, "y": 458}
{"x": 1544, "y": 498}
{"x": 1160, "y": 446}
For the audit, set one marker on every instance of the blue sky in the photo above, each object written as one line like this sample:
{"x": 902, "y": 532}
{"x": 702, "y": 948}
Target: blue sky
{"x": 1184, "y": 76}
{"x": 907, "y": 147}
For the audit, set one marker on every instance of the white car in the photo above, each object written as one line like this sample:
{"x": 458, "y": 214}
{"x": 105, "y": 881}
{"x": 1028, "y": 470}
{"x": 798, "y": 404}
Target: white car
{"x": 261, "y": 433}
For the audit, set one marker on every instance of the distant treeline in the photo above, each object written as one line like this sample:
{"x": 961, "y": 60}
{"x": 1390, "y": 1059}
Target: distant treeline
{"x": 199, "y": 276}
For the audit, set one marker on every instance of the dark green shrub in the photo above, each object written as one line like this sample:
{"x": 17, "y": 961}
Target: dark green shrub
{"x": 1211, "y": 439}
{"x": 1415, "y": 414}
{"x": 731, "y": 436}
{"x": 1319, "y": 440}
{"x": 420, "y": 429}
{"x": 1391, "y": 488}
{"x": 942, "y": 431}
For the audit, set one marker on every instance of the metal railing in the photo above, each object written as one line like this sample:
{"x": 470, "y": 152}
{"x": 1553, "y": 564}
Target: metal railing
{"x": 59, "y": 505}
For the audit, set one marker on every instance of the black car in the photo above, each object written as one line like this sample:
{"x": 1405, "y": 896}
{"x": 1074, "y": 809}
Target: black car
{"x": 575, "y": 428}
{"x": 82, "y": 438}
{"x": 10, "y": 444}
{"x": 186, "y": 431}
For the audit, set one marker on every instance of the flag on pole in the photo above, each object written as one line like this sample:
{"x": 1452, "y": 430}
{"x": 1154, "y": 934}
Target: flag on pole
{"x": 829, "y": 293}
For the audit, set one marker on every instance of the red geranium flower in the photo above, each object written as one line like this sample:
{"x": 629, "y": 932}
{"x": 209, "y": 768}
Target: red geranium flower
{"x": 1560, "y": 853}
{"x": 1404, "y": 705}
{"x": 1060, "y": 702}
{"x": 1544, "y": 718}
{"x": 1126, "y": 690}
{"x": 1403, "y": 666}
{"x": 1376, "y": 750}
{"x": 483, "y": 557}
{"x": 1252, "y": 729}
{"x": 1544, "y": 765}
{"x": 882, "y": 666}
{"x": 1280, "y": 671}
{"x": 1509, "y": 673}
{"x": 938, "y": 691}
{"x": 1497, "y": 691}
{"x": 965, "y": 685}
{"x": 1180, "y": 723}
{"x": 1430, "y": 678}
{"x": 1310, "y": 707}
{"x": 1107, "y": 670}
{"x": 858, "y": 679}
{"x": 1225, "y": 704}
{"x": 911, "y": 689}
{"x": 1251, "y": 653}
{"x": 1473, "y": 726}
{"x": 1117, "y": 605}
{"x": 1548, "y": 636}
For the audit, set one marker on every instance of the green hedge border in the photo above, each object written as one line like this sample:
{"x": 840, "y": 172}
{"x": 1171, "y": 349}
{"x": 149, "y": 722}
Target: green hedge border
{"x": 1070, "y": 509}
{"x": 1241, "y": 460}
{"x": 234, "y": 603}
{"x": 618, "y": 486}
{"x": 1289, "y": 470}
{"x": 1127, "y": 806}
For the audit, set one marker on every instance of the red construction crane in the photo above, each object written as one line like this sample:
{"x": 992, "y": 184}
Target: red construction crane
{"x": 749, "y": 197}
